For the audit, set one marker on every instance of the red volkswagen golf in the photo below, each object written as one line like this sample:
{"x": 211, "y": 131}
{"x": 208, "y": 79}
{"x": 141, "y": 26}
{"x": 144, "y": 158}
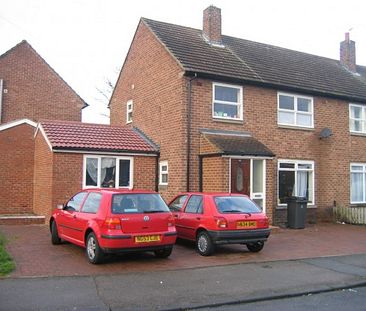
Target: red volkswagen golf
{"x": 211, "y": 219}
{"x": 109, "y": 221}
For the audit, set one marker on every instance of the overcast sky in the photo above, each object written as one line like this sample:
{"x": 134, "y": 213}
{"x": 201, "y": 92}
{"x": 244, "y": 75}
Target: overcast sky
{"x": 86, "y": 41}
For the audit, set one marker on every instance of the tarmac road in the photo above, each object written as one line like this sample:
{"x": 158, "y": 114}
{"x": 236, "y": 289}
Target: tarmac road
{"x": 185, "y": 288}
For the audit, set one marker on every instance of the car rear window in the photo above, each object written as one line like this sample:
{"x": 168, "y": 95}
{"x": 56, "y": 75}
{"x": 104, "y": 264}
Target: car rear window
{"x": 138, "y": 203}
{"x": 236, "y": 204}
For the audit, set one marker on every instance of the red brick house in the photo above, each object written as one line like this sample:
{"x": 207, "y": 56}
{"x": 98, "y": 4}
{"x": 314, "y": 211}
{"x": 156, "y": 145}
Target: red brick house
{"x": 30, "y": 90}
{"x": 236, "y": 115}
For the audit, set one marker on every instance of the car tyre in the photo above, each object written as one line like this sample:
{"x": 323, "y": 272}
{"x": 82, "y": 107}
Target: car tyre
{"x": 204, "y": 244}
{"x": 164, "y": 252}
{"x": 94, "y": 253}
{"x": 55, "y": 239}
{"x": 255, "y": 247}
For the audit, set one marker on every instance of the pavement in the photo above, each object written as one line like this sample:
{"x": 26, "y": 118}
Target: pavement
{"x": 294, "y": 262}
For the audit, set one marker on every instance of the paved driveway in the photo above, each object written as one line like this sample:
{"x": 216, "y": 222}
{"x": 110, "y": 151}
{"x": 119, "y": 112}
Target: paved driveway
{"x": 34, "y": 255}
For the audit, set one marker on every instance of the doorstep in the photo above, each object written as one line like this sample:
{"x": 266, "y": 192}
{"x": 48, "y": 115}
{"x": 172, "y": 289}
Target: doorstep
{"x": 22, "y": 219}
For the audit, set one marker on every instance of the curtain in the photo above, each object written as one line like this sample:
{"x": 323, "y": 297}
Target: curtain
{"x": 356, "y": 187}
{"x": 108, "y": 172}
{"x": 302, "y": 184}
{"x": 92, "y": 171}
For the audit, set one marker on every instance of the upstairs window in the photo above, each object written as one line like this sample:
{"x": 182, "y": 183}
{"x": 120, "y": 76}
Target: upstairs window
{"x": 357, "y": 118}
{"x": 227, "y": 102}
{"x": 295, "y": 110}
{"x": 129, "y": 111}
{"x": 163, "y": 173}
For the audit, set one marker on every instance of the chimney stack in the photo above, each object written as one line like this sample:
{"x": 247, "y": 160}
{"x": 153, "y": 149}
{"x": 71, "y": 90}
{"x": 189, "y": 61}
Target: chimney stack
{"x": 212, "y": 25}
{"x": 348, "y": 53}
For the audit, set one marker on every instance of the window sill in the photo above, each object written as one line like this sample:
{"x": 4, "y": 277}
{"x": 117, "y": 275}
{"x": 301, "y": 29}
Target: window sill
{"x": 358, "y": 205}
{"x": 163, "y": 187}
{"x": 228, "y": 121}
{"x": 284, "y": 207}
{"x": 358, "y": 134}
{"x": 294, "y": 127}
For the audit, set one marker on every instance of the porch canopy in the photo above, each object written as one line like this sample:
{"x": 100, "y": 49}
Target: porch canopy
{"x": 232, "y": 143}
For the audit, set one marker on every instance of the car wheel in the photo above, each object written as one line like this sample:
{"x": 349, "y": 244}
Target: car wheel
{"x": 164, "y": 252}
{"x": 93, "y": 251}
{"x": 55, "y": 239}
{"x": 255, "y": 247}
{"x": 205, "y": 247}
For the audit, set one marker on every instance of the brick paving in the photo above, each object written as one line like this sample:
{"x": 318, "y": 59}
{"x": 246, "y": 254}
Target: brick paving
{"x": 34, "y": 254}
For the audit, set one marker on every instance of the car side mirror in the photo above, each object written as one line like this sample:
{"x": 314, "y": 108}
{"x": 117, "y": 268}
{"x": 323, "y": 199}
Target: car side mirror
{"x": 60, "y": 206}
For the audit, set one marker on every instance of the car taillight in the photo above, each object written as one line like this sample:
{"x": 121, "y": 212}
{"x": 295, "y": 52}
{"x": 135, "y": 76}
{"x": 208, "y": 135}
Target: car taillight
{"x": 112, "y": 223}
{"x": 263, "y": 222}
{"x": 221, "y": 222}
{"x": 171, "y": 221}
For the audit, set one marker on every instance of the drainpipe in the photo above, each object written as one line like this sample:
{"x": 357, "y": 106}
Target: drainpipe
{"x": 189, "y": 110}
{"x": 1, "y": 98}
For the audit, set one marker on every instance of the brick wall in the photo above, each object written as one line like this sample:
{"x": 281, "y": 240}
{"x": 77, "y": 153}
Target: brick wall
{"x": 152, "y": 79}
{"x": 16, "y": 169}
{"x": 43, "y": 176}
{"x": 144, "y": 173}
{"x": 34, "y": 90}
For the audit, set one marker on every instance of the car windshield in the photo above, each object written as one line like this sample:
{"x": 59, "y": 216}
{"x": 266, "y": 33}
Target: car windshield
{"x": 138, "y": 203}
{"x": 236, "y": 204}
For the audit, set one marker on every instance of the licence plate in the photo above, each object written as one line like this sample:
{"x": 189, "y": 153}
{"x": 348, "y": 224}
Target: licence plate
{"x": 147, "y": 238}
{"x": 246, "y": 224}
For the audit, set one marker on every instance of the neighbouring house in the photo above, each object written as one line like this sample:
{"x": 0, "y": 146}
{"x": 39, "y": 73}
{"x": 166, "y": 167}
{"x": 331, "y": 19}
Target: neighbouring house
{"x": 241, "y": 116}
{"x": 70, "y": 156}
{"x": 30, "y": 90}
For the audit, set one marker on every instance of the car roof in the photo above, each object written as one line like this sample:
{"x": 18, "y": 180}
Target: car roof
{"x": 213, "y": 194}
{"x": 119, "y": 191}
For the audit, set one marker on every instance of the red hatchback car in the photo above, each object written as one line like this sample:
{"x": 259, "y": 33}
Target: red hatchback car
{"x": 211, "y": 219}
{"x": 111, "y": 220}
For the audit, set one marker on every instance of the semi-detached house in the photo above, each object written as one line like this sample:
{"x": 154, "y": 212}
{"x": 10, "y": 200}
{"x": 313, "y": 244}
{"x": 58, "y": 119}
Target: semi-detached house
{"x": 235, "y": 115}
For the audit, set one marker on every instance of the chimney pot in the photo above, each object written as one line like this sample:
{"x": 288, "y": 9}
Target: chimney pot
{"x": 348, "y": 53}
{"x": 212, "y": 24}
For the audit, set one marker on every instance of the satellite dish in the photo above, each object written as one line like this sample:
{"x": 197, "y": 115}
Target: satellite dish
{"x": 325, "y": 133}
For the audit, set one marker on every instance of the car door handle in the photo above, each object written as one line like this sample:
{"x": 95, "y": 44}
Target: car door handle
{"x": 198, "y": 218}
{"x": 175, "y": 216}
{"x": 74, "y": 216}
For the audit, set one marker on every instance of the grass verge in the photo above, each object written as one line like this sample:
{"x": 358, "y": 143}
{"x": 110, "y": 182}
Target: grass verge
{"x": 6, "y": 262}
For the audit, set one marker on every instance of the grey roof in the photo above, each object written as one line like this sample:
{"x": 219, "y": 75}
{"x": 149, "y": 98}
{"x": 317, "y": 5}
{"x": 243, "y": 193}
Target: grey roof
{"x": 240, "y": 145}
{"x": 257, "y": 63}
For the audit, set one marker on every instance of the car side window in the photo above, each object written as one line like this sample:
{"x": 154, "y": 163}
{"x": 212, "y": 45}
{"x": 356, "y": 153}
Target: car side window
{"x": 75, "y": 202}
{"x": 92, "y": 203}
{"x": 178, "y": 203}
{"x": 195, "y": 204}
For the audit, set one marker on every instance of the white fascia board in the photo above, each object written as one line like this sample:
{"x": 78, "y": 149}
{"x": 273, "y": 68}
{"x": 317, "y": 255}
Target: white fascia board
{"x": 41, "y": 130}
{"x": 16, "y": 123}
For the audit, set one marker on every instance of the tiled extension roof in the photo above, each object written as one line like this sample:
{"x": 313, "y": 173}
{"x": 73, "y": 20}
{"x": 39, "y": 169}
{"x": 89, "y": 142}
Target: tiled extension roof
{"x": 77, "y": 136}
{"x": 257, "y": 63}
{"x": 235, "y": 143}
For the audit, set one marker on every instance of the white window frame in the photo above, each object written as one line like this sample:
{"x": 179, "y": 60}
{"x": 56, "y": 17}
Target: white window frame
{"x": 362, "y": 119}
{"x": 161, "y": 173}
{"x": 239, "y": 105}
{"x": 363, "y": 172}
{"x": 295, "y": 111}
{"x": 296, "y": 163}
{"x": 99, "y": 158}
{"x": 129, "y": 111}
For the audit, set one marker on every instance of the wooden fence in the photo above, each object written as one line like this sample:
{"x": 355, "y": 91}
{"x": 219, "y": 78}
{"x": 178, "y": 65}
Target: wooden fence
{"x": 350, "y": 215}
